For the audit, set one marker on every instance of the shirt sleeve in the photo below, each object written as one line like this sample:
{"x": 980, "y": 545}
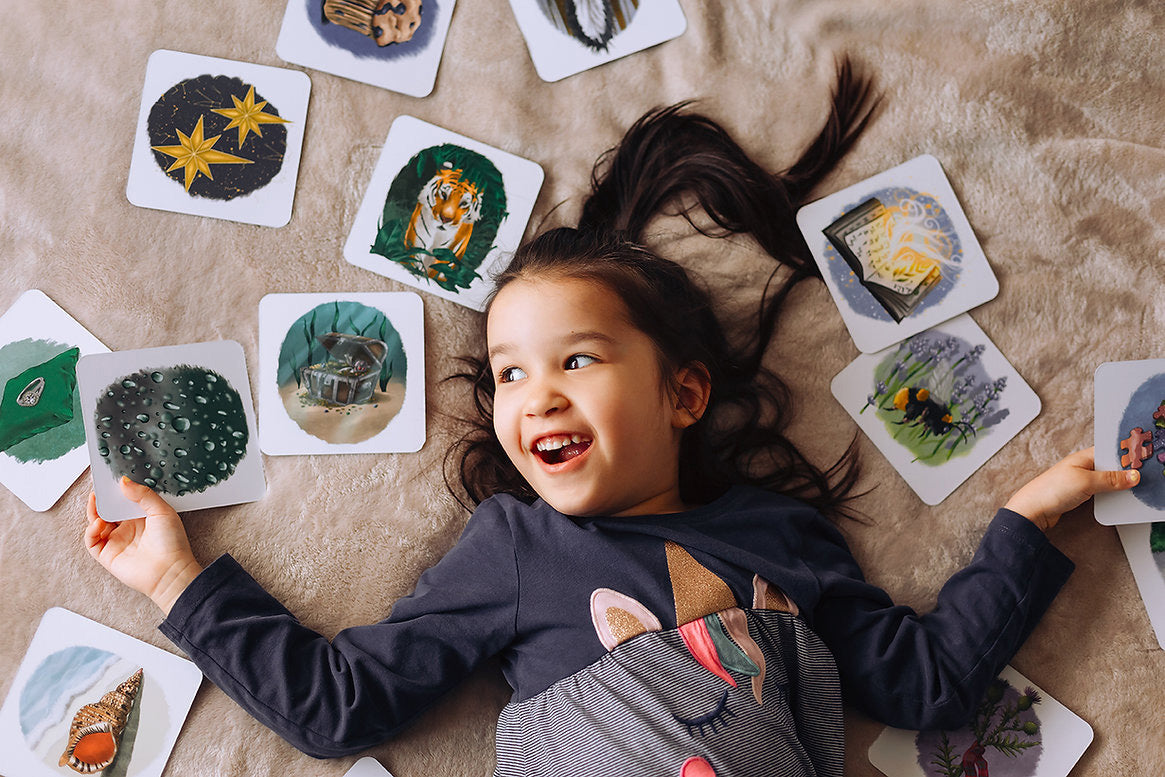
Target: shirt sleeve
{"x": 337, "y": 698}
{"x": 930, "y": 671}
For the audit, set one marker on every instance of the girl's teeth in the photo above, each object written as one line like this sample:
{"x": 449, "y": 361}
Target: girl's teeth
{"x": 554, "y": 443}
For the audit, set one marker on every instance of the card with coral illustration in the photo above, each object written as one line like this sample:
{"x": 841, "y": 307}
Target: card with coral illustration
{"x": 341, "y": 373}
{"x": 566, "y": 37}
{"x": 393, "y": 44}
{"x": 1017, "y": 731}
{"x": 218, "y": 138}
{"x": 367, "y": 767}
{"x": 1130, "y": 434}
{"x": 178, "y": 419}
{"x": 442, "y": 212}
{"x": 88, "y": 699}
{"x": 42, "y": 436}
{"x": 1144, "y": 545}
{"x": 897, "y": 253}
{"x": 938, "y": 405}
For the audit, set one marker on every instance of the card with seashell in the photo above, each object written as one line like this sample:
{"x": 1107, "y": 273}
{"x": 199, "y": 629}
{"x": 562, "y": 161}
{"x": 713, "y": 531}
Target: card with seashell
{"x": 90, "y": 700}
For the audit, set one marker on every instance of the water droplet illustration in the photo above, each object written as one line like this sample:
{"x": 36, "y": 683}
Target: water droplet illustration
{"x": 180, "y": 452}
{"x": 208, "y": 445}
{"x": 171, "y": 406}
{"x": 157, "y": 377}
{"x": 127, "y": 383}
{"x": 143, "y": 417}
{"x": 125, "y": 449}
{"x": 200, "y": 399}
{"x": 150, "y": 482}
{"x": 181, "y": 423}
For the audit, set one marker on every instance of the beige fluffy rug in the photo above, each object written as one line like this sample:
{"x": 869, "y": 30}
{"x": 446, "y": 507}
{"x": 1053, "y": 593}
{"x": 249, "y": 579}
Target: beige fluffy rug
{"x": 1047, "y": 116}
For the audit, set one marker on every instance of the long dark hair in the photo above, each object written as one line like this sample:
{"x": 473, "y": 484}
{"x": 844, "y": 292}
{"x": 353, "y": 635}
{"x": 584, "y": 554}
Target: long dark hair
{"x": 674, "y": 158}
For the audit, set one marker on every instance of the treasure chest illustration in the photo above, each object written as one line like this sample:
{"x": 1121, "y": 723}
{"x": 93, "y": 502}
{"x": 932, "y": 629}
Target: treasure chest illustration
{"x": 348, "y": 376}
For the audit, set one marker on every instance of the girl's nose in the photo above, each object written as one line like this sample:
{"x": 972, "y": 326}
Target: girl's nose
{"x": 544, "y": 398}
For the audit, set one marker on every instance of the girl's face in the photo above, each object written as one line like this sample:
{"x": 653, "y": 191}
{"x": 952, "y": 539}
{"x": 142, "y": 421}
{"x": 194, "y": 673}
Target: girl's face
{"x": 580, "y": 407}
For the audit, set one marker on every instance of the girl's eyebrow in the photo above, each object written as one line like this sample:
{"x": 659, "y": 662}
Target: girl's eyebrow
{"x": 572, "y": 339}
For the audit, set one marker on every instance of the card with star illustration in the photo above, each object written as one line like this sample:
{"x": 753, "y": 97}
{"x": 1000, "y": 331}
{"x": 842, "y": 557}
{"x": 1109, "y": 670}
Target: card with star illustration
{"x": 218, "y": 138}
{"x": 442, "y": 212}
{"x": 393, "y": 44}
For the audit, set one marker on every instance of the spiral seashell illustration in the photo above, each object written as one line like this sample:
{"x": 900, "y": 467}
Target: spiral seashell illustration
{"x": 96, "y": 729}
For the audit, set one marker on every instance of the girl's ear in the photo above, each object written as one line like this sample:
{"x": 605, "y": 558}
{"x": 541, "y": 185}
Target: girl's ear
{"x": 692, "y": 387}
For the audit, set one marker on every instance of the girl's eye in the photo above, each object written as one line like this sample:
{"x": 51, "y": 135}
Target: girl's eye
{"x": 579, "y": 360}
{"x": 510, "y": 374}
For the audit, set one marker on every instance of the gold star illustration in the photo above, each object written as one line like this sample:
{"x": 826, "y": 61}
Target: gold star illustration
{"x": 247, "y": 116}
{"x": 197, "y": 155}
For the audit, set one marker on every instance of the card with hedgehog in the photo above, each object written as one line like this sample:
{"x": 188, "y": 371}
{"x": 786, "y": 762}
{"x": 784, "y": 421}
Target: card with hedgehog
{"x": 442, "y": 212}
{"x": 1017, "y": 731}
{"x": 341, "y": 373}
{"x": 87, "y": 699}
{"x": 393, "y": 44}
{"x": 178, "y": 419}
{"x": 218, "y": 138}
{"x": 937, "y": 405}
{"x": 1130, "y": 434}
{"x": 42, "y": 436}
{"x": 566, "y": 37}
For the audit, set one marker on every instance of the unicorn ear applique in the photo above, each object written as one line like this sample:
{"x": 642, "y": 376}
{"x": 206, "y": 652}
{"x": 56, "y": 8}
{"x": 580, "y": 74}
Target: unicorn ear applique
{"x": 766, "y": 596}
{"x": 617, "y": 617}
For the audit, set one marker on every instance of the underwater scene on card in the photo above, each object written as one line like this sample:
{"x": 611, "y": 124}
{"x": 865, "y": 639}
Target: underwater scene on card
{"x": 1018, "y": 730}
{"x": 42, "y": 435}
{"x": 1129, "y": 426}
{"x": 87, "y": 699}
{"x": 178, "y": 419}
{"x": 897, "y": 253}
{"x": 938, "y": 405}
{"x": 341, "y": 373}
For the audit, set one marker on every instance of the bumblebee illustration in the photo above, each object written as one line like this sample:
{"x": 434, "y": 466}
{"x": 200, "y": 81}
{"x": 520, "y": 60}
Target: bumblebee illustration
{"x": 918, "y": 407}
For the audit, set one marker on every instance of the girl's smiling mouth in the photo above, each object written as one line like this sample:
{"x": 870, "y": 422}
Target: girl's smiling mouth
{"x": 560, "y": 448}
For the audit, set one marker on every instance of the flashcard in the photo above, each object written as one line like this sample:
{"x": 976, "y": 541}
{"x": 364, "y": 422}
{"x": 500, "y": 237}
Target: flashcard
{"x": 1017, "y": 731}
{"x": 42, "y": 435}
{"x": 90, "y": 699}
{"x": 341, "y": 373}
{"x": 1144, "y": 545}
{"x": 218, "y": 138}
{"x": 178, "y": 419}
{"x": 938, "y": 405}
{"x": 442, "y": 212}
{"x": 897, "y": 253}
{"x": 393, "y": 44}
{"x": 1130, "y": 434}
{"x": 569, "y": 36}
{"x": 367, "y": 767}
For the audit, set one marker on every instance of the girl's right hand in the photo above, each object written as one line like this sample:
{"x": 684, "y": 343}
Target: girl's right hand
{"x": 151, "y": 555}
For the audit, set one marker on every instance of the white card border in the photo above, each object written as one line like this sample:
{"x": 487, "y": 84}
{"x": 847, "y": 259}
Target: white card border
{"x": 279, "y": 435}
{"x": 270, "y": 206}
{"x": 225, "y": 357}
{"x": 977, "y": 282}
{"x": 1149, "y": 577}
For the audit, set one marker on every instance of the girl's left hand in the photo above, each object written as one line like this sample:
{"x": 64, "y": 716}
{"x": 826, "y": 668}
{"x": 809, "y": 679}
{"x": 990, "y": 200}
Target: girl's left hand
{"x": 1066, "y": 485}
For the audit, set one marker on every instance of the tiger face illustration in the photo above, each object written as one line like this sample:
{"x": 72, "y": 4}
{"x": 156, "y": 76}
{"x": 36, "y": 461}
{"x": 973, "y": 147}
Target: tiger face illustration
{"x": 446, "y": 210}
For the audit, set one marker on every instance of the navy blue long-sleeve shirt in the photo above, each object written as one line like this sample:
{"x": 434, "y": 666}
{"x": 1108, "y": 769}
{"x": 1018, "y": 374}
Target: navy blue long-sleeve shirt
{"x": 519, "y": 584}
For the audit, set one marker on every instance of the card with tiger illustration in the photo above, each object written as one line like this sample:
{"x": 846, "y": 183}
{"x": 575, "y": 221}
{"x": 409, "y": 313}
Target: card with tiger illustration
{"x": 218, "y": 138}
{"x": 442, "y": 211}
{"x": 393, "y": 44}
{"x": 566, "y": 37}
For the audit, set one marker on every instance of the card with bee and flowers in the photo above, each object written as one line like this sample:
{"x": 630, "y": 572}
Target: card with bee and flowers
{"x": 1016, "y": 731}
{"x": 938, "y": 405}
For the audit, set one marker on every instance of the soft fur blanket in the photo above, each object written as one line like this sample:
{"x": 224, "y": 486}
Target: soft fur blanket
{"x": 1047, "y": 116}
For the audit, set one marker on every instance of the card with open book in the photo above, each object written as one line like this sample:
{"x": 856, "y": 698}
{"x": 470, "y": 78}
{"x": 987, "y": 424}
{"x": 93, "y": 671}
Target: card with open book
{"x": 897, "y": 253}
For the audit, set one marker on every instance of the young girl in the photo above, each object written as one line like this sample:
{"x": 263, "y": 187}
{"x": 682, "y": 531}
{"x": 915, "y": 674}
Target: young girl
{"x": 648, "y": 556}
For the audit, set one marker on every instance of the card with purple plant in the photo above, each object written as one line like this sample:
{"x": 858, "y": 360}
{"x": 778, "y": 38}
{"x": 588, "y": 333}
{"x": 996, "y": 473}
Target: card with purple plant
{"x": 897, "y": 253}
{"x": 1130, "y": 434}
{"x": 937, "y": 405}
{"x": 1017, "y": 731}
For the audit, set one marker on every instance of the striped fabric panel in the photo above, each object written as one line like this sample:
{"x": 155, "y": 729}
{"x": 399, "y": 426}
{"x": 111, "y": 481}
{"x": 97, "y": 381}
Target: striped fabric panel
{"x": 648, "y": 706}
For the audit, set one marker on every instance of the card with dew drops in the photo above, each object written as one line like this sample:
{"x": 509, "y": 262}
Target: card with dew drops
{"x": 937, "y": 405}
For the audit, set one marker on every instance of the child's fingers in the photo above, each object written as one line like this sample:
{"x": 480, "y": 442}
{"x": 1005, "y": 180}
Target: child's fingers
{"x": 146, "y": 498}
{"x": 96, "y": 529}
{"x": 1114, "y": 480}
